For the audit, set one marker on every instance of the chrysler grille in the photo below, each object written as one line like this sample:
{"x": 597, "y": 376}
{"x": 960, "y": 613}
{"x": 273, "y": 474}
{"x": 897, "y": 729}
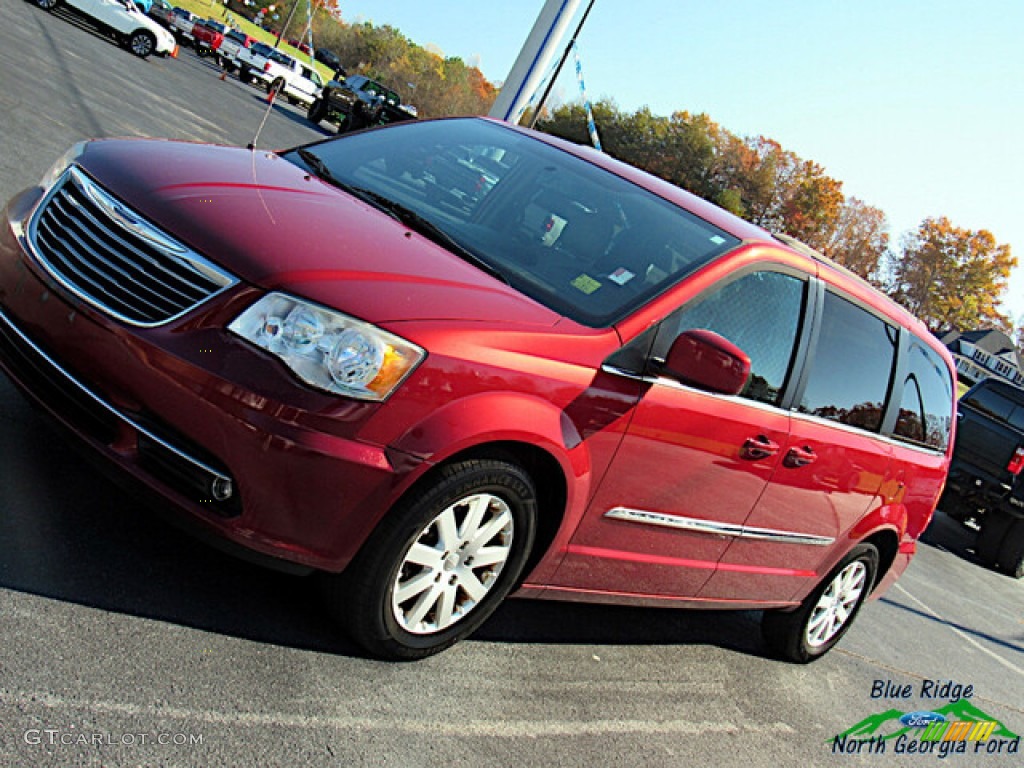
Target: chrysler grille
{"x": 109, "y": 256}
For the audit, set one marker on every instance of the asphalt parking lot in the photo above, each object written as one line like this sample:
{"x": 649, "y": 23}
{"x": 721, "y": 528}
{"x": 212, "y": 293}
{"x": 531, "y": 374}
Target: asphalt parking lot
{"x": 124, "y": 642}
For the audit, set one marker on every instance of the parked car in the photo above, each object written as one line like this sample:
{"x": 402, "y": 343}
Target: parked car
{"x": 161, "y": 11}
{"x": 358, "y": 102}
{"x": 328, "y": 57}
{"x": 123, "y": 20}
{"x": 435, "y": 400}
{"x": 986, "y": 483}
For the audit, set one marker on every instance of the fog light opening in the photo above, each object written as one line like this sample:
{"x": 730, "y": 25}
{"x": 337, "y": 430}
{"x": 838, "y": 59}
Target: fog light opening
{"x": 221, "y": 489}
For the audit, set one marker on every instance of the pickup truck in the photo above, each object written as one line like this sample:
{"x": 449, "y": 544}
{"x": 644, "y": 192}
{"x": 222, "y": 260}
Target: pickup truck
{"x": 182, "y": 22}
{"x": 277, "y": 71}
{"x": 357, "y": 102}
{"x": 985, "y": 482}
{"x": 207, "y": 35}
{"x": 231, "y": 43}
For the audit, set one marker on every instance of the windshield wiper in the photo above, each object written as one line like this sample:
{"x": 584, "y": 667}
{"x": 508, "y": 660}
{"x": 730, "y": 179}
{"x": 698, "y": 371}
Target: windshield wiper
{"x": 400, "y": 213}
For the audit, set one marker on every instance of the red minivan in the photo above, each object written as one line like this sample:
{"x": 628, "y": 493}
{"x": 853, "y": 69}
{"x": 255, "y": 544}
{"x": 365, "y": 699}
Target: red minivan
{"x": 445, "y": 361}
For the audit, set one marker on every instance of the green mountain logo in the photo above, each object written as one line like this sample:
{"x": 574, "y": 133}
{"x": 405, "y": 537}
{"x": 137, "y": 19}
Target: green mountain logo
{"x": 886, "y": 725}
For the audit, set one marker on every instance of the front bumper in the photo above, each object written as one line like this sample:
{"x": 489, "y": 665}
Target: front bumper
{"x": 189, "y": 410}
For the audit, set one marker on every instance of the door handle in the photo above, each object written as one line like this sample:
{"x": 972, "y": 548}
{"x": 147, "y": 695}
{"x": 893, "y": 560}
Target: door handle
{"x": 760, "y": 447}
{"x": 799, "y": 457}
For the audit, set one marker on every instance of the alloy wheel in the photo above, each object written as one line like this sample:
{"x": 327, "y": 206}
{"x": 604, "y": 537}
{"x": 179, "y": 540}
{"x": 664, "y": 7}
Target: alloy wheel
{"x": 453, "y": 564}
{"x": 837, "y": 604}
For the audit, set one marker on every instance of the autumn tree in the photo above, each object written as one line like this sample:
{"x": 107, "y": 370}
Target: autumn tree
{"x": 859, "y": 240}
{"x": 952, "y": 277}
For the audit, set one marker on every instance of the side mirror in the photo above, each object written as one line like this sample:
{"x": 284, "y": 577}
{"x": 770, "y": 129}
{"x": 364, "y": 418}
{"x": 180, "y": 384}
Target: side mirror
{"x": 708, "y": 361}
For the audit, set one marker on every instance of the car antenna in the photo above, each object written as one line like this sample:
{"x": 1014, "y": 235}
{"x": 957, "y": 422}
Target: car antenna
{"x": 271, "y": 97}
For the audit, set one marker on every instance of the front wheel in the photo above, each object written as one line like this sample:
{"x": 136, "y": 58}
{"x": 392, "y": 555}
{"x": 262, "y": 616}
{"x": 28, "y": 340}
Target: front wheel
{"x": 437, "y": 567}
{"x": 810, "y": 631}
{"x": 48, "y": 5}
{"x": 142, "y": 44}
{"x": 317, "y": 111}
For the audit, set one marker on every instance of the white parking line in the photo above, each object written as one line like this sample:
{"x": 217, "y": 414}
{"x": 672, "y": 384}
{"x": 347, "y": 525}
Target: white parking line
{"x": 1006, "y": 663}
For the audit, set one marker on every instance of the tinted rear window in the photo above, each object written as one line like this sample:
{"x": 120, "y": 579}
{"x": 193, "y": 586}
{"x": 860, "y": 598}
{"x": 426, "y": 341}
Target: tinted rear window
{"x": 1001, "y": 405}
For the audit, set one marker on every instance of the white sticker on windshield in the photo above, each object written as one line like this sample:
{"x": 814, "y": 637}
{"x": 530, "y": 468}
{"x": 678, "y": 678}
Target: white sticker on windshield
{"x": 717, "y": 239}
{"x": 621, "y": 276}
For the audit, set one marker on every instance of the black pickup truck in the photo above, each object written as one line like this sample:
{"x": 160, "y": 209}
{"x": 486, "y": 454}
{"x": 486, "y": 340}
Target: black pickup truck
{"x": 357, "y": 102}
{"x": 985, "y": 482}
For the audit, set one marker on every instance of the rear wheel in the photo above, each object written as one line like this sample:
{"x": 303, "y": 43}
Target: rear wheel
{"x": 1011, "y": 556}
{"x": 811, "y": 630}
{"x": 141, "y": 43}
{"x": 47, "y": 5}
{"x": 277, "y": 86}
{"x": 440, "y": 563}
{"x": 995, "y": 526}
{"x": 243, "y": 74}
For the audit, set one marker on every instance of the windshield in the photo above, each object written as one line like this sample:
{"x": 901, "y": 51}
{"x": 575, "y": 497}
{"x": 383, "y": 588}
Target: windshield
{"x": 574, "y": 237}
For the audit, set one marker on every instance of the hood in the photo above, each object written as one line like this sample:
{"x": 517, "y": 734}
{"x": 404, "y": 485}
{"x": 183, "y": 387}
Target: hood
{"x": 273, "y": 225}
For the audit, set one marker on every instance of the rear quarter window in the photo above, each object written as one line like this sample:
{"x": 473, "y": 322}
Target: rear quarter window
{"x": 926, "y": 406}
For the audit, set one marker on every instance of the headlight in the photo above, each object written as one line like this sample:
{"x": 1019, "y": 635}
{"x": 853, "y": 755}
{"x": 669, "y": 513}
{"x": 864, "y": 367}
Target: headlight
{"x": 326, "y": 349}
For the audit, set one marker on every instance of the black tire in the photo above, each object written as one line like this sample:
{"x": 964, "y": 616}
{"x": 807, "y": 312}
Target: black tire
{"x": 1011, "y": 554}
{"x": 48, "y": 5}
{"x": 317, "y": 111}
{"x": 794, "y": 636}
{"x": 141, "y": 43}
{"x": 201, "y": 50}
{"x": 994, "y": 527}
{"x": 244, "y": 74}
{"x": 276, "y": 87}
{"x": 478, "y": 506}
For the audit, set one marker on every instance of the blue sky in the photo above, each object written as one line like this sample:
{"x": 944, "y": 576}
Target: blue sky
{"x": 918, "y": 108}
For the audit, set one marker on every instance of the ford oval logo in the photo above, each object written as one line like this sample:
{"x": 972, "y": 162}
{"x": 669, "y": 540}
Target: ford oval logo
{"x": 921, "y": 719}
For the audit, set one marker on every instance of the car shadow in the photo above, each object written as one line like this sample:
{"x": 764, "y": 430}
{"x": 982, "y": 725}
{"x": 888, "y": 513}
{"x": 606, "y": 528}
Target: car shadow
{"x": 952, "y": 536}
{"x": 71, "y": 534}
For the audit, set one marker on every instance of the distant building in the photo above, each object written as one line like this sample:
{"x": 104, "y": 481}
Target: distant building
{"x": 984, "y": 354}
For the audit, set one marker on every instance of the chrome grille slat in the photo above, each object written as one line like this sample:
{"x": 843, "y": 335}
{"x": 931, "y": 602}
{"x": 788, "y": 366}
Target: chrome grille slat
{"x": 102, "y": 228}
{"x": 111, "y": 257}
{"x": 108, "y": 287}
